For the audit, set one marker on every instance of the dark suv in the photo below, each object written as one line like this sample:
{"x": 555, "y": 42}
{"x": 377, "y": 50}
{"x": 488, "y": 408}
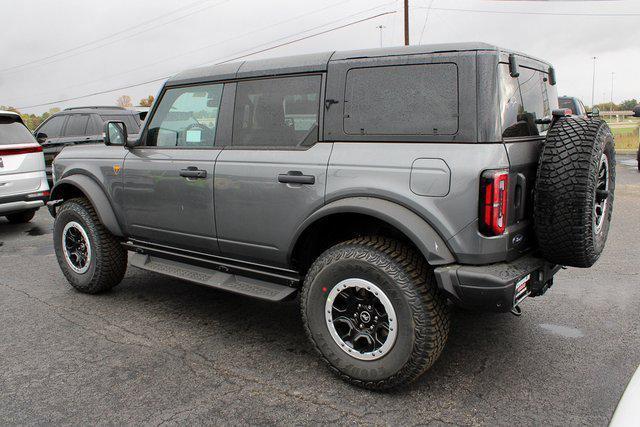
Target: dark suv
{"x": 80, "y": 125}
{"x": 380, "y": 186}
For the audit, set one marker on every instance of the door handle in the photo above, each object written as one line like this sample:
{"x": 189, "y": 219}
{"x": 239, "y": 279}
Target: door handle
{"x": 296, "y": 177}
{"x": 193, "y": 172}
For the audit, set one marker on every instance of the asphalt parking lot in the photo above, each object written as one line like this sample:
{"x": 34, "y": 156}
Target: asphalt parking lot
{"x": 158, "y": 350}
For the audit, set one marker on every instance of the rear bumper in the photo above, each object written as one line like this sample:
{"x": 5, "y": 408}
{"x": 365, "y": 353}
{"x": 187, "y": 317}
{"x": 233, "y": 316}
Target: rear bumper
{"x": 14, "y": 204}
{"x": 493, "y": 287}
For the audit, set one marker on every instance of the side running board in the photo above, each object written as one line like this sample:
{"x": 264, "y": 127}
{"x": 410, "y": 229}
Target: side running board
{"x": 213, "y": 278}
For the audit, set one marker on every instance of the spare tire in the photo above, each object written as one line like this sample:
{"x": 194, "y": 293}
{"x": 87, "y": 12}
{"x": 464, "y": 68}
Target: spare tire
{"x": 573, "y": 198}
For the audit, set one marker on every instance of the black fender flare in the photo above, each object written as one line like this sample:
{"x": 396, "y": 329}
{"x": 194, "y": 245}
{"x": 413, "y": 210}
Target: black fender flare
{"x": 419, "y": 231}
{"x": 96, "y": 195}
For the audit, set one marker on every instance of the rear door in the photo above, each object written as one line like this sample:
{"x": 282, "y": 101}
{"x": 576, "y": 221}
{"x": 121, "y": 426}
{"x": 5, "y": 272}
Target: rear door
{"x": 273, "y": 174}
{"x": 524, "y": 99}
{"x": 75, "y": 130}
{"x": 168, "y": 180}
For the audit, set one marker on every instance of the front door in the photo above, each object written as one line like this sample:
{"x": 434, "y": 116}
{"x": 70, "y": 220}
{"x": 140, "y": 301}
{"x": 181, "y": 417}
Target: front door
{"x": 168, "y": 179}
{"x": 273, "y": 175}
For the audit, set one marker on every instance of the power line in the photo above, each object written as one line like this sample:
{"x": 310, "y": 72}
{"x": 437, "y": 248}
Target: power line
{"x": 222, "y": 62}
{"x": 532, "y": 13}
{"x": 302, "y": 32}
{"x": 122, "y": 38}
{"x": 189, "y": 6}
{"x": 147, "y": 65}
{"x": 426, "y": 19}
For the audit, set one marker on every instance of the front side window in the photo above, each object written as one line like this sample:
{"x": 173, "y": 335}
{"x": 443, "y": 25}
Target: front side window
{"x": 13, "y": 132}
{"x": 76, "y": 125}
{"x": 525, "y": 99}
{"x": 186, "y": 117}
{"x": 279, "y": 112}
{"x": 53, "y": 127}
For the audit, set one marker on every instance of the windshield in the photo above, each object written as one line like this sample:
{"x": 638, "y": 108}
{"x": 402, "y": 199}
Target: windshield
{"x": 13, "y": 132}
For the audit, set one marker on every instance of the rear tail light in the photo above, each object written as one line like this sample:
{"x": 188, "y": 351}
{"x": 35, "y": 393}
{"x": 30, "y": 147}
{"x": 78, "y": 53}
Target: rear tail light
{"x": 38, "y": 195}
{"x": 494, "y": 187}
{"x": 16, "y": 151}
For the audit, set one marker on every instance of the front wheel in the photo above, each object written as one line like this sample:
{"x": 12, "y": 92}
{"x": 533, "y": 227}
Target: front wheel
{"x": 372, "y": 310}
{"x": 91, "y": 258}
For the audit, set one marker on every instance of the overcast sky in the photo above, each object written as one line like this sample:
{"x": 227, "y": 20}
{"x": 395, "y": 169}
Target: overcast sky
{"x": 69, "y": 48}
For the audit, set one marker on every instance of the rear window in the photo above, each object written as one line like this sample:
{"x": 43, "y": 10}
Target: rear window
{"x": 523, "y": 100}
{"x": 417, "y": 99}
{"x": 13, "y": 132}
{"x": 133, "y": 126}
{"x": 565, "y": 103}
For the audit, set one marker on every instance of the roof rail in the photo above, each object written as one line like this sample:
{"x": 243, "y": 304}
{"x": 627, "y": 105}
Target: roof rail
{"x": 96, "y": 107}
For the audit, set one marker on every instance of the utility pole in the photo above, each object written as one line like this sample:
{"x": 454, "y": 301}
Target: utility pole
{"x": 593, "y": 83}
{"x": 381, "y": 27}
{"x": 406, "y": 22}
{"x": 612, "y": 74}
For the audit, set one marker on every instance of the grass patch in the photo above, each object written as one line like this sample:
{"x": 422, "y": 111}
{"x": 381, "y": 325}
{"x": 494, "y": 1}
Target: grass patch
{"x": 626, "y": 137}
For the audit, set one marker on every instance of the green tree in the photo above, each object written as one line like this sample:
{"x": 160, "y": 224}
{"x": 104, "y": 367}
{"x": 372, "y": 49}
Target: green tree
{"x": 628, "y": 104}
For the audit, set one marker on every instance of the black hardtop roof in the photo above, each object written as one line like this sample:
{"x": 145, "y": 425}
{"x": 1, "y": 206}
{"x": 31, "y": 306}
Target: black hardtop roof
{"x": 317, "y": 62}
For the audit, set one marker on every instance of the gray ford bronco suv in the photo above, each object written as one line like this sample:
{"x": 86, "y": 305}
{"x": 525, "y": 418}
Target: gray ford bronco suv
{"x": 380, "y": 186}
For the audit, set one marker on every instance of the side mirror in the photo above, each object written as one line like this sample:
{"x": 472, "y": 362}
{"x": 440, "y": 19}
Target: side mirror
{"x": 41, "y": 137}
{"x": 115, "y": 133}
{"x": 595, "y": 112}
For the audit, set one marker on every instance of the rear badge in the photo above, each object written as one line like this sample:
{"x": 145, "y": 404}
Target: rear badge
{"x": 116, "y": 169}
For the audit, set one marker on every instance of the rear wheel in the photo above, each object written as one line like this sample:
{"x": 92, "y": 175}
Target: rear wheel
{"x": 372, "y": 310}
{"x": 21, "y": 217}
{"x": 91, "y": 258}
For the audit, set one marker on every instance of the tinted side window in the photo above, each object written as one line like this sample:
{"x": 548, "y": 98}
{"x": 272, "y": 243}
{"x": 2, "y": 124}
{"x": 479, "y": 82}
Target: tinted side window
{"x": 132, "y": 124}
{"x": 186, "y": 117}
{"x": 76, "y": 125}
{"x": 94, "y": 127}
{"x": 53, "y": 127}
{"x": 13, "y": 132}
{"x": 524, "y": 99}
{"x": 279, "y": 112}
{"x": 402, "y": 100}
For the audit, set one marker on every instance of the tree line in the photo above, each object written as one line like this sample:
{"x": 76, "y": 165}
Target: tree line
{"x": 626, "y": 105}
{"x": 34, "y": 120}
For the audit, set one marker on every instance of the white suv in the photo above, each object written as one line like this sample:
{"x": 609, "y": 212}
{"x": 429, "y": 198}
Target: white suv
{"x": 23, "y": 181}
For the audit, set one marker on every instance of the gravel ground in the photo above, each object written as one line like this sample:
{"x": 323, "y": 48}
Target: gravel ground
{"x": 158, "y": 350}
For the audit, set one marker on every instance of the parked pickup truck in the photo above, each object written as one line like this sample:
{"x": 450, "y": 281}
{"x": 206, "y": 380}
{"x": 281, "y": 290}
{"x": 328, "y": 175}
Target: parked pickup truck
{"x": 379, "y": 186}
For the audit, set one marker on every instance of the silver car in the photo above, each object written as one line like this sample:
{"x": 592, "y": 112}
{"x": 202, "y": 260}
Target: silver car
{"x": 23, "y": 182}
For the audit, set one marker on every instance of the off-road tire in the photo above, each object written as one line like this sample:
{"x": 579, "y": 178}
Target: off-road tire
{"x": 408, "y": 281}
{"x": 21, "y": 217}
{"x": 565, "y": 191}
{"x": 108, "y": 262}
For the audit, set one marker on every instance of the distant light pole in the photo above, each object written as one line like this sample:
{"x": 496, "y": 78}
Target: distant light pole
{"x": 593, "y": 83}
{"x": 381, "y": 27}
{"x": 612, "y": 74}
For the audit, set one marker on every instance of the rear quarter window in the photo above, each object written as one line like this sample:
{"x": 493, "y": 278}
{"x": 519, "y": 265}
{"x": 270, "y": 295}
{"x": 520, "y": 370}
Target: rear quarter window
{"x": 14, "y": 132}
{"x": 420, "y": 99}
